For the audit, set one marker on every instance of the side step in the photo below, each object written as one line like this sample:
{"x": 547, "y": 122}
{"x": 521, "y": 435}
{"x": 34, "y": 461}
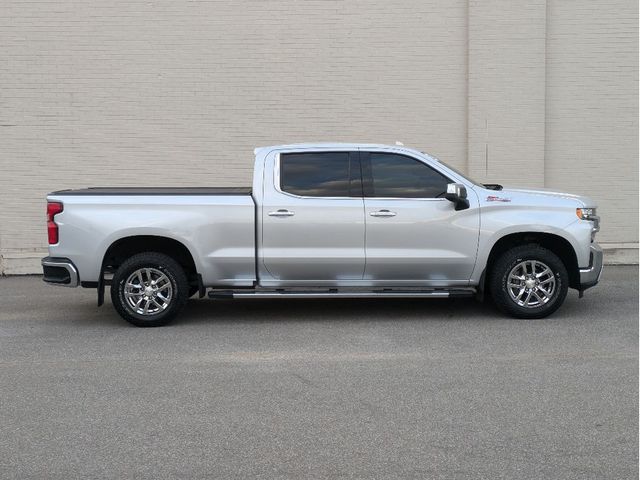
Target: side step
{"x": 431, "y": 293}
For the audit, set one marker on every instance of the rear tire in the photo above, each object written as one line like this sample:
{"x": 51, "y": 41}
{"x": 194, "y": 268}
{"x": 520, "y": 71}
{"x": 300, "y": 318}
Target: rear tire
{"x": 529, "y": 282}
{"x": 149, "y": 289}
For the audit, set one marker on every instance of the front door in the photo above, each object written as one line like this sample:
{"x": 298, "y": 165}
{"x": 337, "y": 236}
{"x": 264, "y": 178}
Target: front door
{"x": 413, "y": 234}
{"x": 313, "y": 218}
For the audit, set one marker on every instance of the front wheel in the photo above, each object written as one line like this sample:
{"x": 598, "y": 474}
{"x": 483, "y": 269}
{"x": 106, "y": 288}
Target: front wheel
{"x": 149, "y": 289}
{"x": 529, "y": 282}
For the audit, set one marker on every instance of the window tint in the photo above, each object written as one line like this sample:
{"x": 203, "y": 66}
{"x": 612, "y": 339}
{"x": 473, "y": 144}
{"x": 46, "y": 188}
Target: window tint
{"x": 391, "y": 175}
{"x": 315, "y": 174}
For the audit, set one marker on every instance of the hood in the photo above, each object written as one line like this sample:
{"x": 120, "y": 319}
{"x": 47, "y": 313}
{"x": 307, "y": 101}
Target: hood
{"x": 544, "y": 192}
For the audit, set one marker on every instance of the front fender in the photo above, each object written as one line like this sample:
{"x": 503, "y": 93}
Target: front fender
{"x": 501, "y": 222}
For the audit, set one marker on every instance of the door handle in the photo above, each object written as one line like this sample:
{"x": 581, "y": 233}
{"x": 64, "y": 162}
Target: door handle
{"x": 282, "y": 213}
{"x": 383, "y": 213}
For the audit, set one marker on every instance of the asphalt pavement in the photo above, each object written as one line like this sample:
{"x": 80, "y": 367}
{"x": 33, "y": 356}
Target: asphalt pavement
{"x": 296, "y": 389}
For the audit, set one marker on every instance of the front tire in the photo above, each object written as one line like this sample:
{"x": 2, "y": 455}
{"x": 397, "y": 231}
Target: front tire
{"x": 149, "y": 289}
{"x": 529, "y": 282}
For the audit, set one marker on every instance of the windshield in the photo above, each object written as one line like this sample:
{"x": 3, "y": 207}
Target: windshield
{"x": 466, "y": 177}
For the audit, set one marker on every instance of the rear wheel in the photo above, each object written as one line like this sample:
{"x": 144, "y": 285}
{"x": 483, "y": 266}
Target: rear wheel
{"x": 529, "y": 282}
{"x": 149, "y": 289}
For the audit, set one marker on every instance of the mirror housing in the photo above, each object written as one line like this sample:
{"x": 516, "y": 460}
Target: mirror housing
{"x": 457, "y": 193}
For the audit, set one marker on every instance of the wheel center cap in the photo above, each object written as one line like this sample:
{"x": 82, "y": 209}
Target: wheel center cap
{"x": 530, "y": 283}
{"x": 148, "y": 291}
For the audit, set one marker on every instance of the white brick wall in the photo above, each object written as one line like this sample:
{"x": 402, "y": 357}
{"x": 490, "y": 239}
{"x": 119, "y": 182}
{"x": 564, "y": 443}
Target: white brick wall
{"x": 179, "y": 92}
{"x": 592, "y": 108}
{"x": 507, "y": 91}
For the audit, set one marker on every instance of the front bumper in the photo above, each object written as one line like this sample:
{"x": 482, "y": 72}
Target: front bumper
{"x": 590, "y": 276}
{"x": 60, "y": 271}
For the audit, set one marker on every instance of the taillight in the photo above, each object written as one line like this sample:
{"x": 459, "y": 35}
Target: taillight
{"x": 53, "y": 208}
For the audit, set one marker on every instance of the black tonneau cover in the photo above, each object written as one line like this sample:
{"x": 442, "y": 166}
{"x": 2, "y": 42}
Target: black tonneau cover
{"x": 157, "y": 191}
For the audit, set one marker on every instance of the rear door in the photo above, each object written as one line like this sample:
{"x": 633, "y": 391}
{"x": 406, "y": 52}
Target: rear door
{"x": 313, "y": 218}
{"x": 413, "y": 234}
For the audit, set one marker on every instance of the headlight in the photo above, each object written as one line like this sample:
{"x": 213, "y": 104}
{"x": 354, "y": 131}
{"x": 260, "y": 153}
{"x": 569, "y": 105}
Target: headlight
{"x": 586, "y": 213}
{"x": 589, "y": 214}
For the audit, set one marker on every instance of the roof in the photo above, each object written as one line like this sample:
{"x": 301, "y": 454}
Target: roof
{"x": 336, "y": 145}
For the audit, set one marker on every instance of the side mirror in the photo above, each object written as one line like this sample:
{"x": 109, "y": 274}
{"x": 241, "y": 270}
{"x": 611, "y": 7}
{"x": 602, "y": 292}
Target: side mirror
{"x": 457, "y": 193}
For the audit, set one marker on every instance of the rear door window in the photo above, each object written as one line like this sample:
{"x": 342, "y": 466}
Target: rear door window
{"x": 321, "y": 174}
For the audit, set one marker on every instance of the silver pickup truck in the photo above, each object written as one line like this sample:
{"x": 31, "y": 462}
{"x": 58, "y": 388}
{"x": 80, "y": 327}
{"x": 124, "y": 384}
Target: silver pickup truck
{"x": 325, "y": 220}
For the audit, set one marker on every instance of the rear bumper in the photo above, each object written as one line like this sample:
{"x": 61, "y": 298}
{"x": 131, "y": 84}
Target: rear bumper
{"x": 60, "y": 271}
{"x": 590, "y": 276}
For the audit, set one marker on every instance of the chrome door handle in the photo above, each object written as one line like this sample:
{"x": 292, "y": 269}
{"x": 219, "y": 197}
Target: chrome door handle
{"x": 383, "y": 213}
{"x": 282, "y": 213}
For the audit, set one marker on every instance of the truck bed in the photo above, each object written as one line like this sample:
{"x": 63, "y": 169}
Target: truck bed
{"x": 216, "y": 225}
{"x": 156, "y": 191}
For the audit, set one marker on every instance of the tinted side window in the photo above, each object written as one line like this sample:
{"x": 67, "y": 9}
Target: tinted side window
{"x": 323, "y": 174}
{"x": 391, "y": 175}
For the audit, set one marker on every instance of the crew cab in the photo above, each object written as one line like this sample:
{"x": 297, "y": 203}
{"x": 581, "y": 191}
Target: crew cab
{"x": 325, "y": 220}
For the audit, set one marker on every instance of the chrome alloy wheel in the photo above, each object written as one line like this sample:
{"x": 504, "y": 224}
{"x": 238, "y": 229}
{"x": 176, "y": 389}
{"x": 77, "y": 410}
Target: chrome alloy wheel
{"x": 148, "y": 291}
{"x": 531, "y": 284}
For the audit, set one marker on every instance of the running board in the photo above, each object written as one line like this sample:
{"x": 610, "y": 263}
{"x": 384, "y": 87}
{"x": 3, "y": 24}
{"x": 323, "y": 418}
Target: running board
{"x": 433, "y": 293}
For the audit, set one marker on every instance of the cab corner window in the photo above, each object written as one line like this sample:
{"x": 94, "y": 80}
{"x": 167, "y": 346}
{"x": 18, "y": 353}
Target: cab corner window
{"x": 398, "y": 176}
{"x": 324, "y": 174}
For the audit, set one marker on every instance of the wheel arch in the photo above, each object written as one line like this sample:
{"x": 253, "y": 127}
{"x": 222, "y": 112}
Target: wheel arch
{"x": 125, "y": 247}
{"x": 553, "y": 242}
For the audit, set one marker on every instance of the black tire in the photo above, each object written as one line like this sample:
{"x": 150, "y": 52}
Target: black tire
{"x": 159, "y": 262}
{"x": 498, "y": 282}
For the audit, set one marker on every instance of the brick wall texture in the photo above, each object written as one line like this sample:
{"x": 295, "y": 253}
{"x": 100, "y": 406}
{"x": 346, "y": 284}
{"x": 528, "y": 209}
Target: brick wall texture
{"x": 164, "y": 92}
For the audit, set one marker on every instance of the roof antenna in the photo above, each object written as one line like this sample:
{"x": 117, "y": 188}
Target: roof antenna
{"x": 400, "y": 144}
